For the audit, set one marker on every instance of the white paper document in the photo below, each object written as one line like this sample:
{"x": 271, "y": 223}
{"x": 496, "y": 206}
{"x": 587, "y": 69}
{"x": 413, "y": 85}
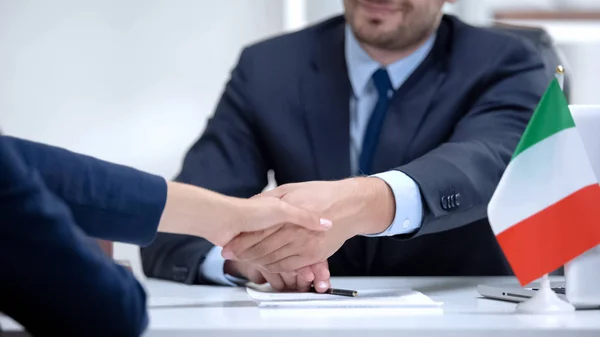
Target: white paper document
{"x": 367, "y": 298}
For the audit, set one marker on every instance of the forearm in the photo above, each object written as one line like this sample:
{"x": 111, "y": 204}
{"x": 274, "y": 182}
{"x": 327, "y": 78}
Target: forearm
{"x": 368, "y": 206}
{"x": 458, "y": 177}
{"x": 196, "y": 211}
{"x": 457, "y": 180}
{"x": 218, "y": 218}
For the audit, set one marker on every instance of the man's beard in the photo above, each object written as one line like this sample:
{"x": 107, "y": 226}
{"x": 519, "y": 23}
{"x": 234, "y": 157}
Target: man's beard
{"x": 400, "y": 39}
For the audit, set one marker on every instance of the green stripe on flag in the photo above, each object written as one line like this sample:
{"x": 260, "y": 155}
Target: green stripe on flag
{"x": 551, "y": 115}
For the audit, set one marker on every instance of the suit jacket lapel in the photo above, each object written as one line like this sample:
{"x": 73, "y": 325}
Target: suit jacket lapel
{"x": 326, "y": 94}
{"x": 326, "y": 97}
{"x": 408, "y": 109}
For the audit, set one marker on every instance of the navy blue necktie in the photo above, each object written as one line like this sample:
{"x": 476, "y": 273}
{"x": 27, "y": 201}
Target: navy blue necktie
{"x": 382, "y": 83}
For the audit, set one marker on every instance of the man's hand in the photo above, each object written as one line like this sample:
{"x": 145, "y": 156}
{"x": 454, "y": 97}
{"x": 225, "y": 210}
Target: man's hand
{"x": 356, "y": 206}
{"x": 300, "y": 281}
{"x": 260, "y": 214}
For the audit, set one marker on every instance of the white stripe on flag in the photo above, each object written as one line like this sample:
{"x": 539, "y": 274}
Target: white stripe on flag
{"x": 538, "y": 177}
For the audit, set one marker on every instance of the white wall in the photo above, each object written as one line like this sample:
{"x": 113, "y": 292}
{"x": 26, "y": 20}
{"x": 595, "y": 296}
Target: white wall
{"x": 130, "y": 81}
{"x": 317, "y": 10}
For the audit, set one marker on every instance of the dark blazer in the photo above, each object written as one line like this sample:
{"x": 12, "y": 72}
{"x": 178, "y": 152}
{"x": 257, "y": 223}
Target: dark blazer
{"x": 452, "y": 127}
{"x": 54, "y": 280}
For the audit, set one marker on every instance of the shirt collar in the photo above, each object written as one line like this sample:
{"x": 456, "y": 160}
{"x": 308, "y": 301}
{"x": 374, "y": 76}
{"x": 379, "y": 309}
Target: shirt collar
{"x": 361, "y": 66}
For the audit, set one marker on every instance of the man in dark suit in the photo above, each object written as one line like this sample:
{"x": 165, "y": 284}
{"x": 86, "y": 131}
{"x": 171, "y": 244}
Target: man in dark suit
{"x": 429, "y": 108}
{"x": 54, "y": 280}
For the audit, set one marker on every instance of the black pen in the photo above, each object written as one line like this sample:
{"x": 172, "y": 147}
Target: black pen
{"x": 339, "y": 292}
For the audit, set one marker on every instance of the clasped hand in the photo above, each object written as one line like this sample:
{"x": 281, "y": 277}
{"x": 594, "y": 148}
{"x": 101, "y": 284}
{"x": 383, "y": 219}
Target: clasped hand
{"x": 292, "y": 257}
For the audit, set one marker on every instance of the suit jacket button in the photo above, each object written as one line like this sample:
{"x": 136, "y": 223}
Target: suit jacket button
{"x": 451, "y": 201}
{"x": 457, "y": 199}
{"x": 180, "y": 274}
{"x": 444, "y": 202}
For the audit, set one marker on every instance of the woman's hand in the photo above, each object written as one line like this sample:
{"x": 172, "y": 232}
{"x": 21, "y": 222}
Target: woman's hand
{"x": 196, "y": 211}
{"x": 263, "y": 214}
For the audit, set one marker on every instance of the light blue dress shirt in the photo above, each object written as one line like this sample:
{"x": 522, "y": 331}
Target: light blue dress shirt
{"x": 361, "y": 67}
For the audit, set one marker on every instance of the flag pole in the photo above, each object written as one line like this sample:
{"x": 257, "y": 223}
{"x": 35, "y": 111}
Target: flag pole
{"x": 546, "y": 301}
{"x": 560, "y": 76}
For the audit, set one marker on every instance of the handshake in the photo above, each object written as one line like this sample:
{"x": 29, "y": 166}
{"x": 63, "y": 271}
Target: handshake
{"x": 286, "y": 235}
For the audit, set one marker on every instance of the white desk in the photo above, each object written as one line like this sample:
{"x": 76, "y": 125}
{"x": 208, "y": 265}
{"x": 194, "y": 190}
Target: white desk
{"x": 178, "y": 310}
{"x": 208, "y": 311}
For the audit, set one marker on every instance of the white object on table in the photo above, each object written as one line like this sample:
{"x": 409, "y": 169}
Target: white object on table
{"x": 583, "y": 272}
{"x": 545, "y": 301}
{"x": 366, "y": 298}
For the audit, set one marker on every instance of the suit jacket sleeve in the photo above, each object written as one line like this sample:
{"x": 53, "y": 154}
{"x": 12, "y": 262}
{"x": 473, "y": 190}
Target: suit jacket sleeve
{"x": 107, "y": 201}
{"x": 228, "y": 159}
{"x": 54, "y": 279}
{"x": 469, "y": 165}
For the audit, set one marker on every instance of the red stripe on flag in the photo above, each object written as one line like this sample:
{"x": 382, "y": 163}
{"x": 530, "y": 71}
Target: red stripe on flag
{"x": 547, "y": 240}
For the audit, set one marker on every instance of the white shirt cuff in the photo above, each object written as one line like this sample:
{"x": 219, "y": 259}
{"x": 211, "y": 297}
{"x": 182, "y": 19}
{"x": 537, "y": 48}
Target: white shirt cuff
{"x": 409, "y": 207}
{"x": 212, "y": 269}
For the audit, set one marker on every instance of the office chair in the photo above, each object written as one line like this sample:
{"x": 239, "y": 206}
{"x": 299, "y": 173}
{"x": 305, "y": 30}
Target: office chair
{"x": 543, "y": 42}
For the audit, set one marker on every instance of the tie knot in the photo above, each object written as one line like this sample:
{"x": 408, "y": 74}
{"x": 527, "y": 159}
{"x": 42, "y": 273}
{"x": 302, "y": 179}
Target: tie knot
{"x": 382, "y": 82}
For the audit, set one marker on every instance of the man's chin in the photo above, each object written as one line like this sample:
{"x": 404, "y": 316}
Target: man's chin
{"x": 372, "y": 37}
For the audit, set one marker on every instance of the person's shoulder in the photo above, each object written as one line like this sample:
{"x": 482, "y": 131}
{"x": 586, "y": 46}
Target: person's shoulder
{"x": 489, "y": 41}
{"x": 482, "y": 56}
{"x": 294, "y": 45}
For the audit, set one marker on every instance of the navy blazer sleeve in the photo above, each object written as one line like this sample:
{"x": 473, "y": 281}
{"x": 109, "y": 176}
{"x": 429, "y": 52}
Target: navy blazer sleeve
{"x": 54, "y": 280}
{"x": 228, "y": 159}
{"x": 107, "y": 201}
{"x": 469, "y": 165}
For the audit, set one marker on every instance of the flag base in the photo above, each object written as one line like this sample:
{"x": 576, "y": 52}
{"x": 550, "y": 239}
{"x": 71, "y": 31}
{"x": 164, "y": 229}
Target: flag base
{"x": 545, "y": 301}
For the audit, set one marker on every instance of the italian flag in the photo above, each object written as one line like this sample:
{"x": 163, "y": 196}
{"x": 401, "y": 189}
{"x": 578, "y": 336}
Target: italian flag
{"x": 545, "y": 210}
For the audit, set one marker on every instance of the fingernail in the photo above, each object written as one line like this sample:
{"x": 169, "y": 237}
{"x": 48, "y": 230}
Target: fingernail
{"x": 322, "y": 285}
{"x": 326, "y": 223}
{"x": 228, "y": 255}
